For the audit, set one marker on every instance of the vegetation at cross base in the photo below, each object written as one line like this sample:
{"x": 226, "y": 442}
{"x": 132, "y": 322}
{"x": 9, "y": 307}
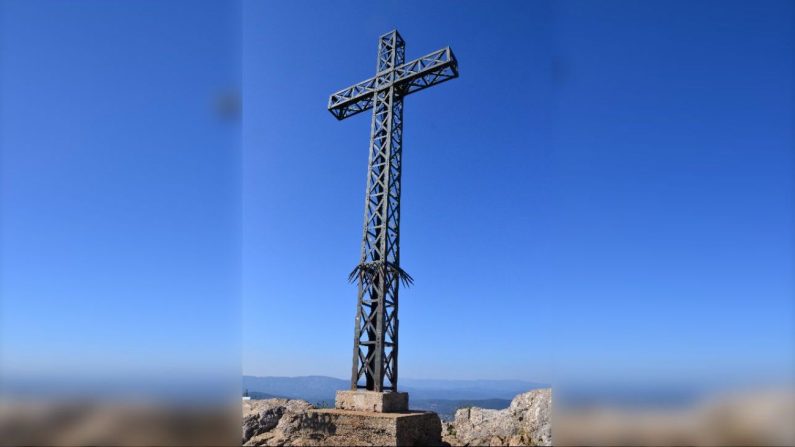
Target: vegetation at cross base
{"x": 450, "y": 429}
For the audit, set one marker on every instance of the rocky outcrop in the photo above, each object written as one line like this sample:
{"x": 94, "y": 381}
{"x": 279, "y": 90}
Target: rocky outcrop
{"x": 527, "y": 421}
{"x": 288, "y": 422}
{"x": 273, "y": 421}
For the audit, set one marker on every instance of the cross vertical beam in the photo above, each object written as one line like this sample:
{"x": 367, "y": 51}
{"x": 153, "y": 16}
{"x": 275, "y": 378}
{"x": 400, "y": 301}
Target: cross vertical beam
{"x": 375, "y": 337}
{"x": 375, "y": 349}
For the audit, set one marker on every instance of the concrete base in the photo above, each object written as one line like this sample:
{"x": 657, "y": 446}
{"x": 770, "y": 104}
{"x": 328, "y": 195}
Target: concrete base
{"x": 372, "y": 401}
{"x": 343, "y": 427}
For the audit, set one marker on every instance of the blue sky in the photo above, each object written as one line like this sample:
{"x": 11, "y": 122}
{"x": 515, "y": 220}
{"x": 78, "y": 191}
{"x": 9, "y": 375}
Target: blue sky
{"x": 606, "y": 193}
{"x": 120, "y": 189}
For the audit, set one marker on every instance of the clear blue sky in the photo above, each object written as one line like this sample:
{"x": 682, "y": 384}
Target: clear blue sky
{"x": 606, "y": 192}
{"x": 120, "y": 188}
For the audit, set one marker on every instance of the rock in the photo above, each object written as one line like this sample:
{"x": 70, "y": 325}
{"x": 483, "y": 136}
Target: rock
{"x": 286, "y": 422}
{"x": 526, "y": 422}
{"x": 533, "y": 411}
{"x": 448, "y": 433}
{"x": 495, "y": 441}
{"x": 272, "y": 421}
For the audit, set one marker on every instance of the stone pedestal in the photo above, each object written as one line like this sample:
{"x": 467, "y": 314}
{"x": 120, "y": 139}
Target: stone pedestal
{"x": 372, "y": 401}
{"x": 352, "y": 428}
{"x": 371, "y": 418}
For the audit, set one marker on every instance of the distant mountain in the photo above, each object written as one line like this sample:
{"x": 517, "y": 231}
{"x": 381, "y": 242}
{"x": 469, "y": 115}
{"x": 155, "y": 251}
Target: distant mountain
{"x": 313, "y": 389}
{"x": 467, "y": 389}
{"x": 444, "y": 393}
{"x": 258, "y": 395}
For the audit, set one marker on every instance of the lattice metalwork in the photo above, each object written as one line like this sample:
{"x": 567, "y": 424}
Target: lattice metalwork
{"x": 375, "y": 349}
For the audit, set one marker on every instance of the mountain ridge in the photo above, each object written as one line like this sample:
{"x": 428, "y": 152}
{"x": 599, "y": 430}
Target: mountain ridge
{"x": 317, "y": 387}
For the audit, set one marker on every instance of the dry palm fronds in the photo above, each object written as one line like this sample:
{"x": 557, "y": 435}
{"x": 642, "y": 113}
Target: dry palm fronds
{"x": 367, "y": 271}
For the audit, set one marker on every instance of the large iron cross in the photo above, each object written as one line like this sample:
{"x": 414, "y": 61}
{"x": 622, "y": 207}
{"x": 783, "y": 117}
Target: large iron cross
{"x": 375, "y": 344}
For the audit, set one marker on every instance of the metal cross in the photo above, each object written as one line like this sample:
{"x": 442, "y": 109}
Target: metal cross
{"x": 375, "y": 343}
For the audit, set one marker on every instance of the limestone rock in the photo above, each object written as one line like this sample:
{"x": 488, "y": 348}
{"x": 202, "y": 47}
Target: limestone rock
{"x": 448, "y": 434}
{"x": 295, "y": 422}
{"x": 526, "y": 422}
{"x": 272, "y": 421}
{"x": 533, "y": 412}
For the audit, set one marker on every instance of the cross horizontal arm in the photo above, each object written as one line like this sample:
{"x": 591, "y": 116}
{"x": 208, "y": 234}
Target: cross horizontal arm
{"x": 352, "y": 100}
{"x": 419, "y": 74}
{"x": 426, "y": 71}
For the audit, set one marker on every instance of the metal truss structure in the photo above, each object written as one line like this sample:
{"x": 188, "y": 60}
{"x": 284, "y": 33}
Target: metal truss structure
{"x": 375, "y": 348}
